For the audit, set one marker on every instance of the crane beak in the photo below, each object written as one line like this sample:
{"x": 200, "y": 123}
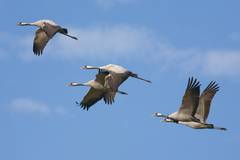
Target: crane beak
{"x": 71, "y": 84}
{"x": 23, "y": 24}
{"x": 157, "y": 114}
{"x": 83, "y": 67}
{"x": 20, "y": 24}
{"x": 89, "y": 67}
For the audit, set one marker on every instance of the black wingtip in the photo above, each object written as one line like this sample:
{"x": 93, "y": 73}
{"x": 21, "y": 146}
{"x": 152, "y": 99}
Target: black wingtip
{"x": 84, "y": 107}
{"x": 213, "y": 85}
{"x": 193, "y": 82}
{"x": 37, "y": 52}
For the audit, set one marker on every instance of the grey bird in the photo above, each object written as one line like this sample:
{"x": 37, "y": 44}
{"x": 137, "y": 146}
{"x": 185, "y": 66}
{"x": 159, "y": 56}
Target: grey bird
{"x": 204, "y": 108}
{"x": 47, "y": 29}
{"x": 117, "y": 74}
{"x": 100, "y": 88}
{"x": 189, "y": 104}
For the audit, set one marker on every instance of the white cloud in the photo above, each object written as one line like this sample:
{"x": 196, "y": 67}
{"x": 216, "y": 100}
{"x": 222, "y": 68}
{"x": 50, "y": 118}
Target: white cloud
{"x": 111, "y": 3}
{"x": 18, "y": 45}
{"x": 28, "y": 105}
{"x": 26, "y": 45}
{"x": 6, "y": 45}
{"x": 111, "y": 43}
{"x": 225, "y": 63}
{"x": 60, "y": 111}
{"x": 127, "y": 43}
{"x": 104, "y": 43}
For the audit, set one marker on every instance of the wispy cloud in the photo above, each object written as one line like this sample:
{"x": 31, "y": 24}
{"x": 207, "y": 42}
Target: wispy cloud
{"x": 29, "y": 106}
{"x": 111, "y": 3}
{"x": 18, "y": 45}
{"x": 111, "y": 42}
{"x": 124, "y": 42}
{"x": 225, "y": 63}
{"x": 140, "y": 44}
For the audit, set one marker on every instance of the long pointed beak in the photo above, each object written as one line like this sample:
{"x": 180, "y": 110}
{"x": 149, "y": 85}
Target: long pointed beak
{"x": 22, "y": 24}
{"x": 154, "y": 115}
{"x": 162, "y": 120}
{"x": 83, "y": 67}
{"x": 89, "y": 67}
{"x": 72, "y": 84}
{"x": 160, "y": 115}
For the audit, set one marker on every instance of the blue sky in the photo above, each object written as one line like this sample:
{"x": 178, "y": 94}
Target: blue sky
{"x": 164, "y": 41}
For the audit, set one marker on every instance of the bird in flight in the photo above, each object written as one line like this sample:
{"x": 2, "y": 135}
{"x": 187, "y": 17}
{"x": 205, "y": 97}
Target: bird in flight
{"x": 106, "y": 84}
{"x": 47, "y": 29}
{"x": 194, "y": 109}
{"x": 100, "y": 88}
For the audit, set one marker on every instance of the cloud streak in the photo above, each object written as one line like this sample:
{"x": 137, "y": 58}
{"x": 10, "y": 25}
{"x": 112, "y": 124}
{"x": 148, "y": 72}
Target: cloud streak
{"x": 30, "y": 106}
{"x": 127, "y": 43}
{"x": 225, "y": 63}
{"x": 105, "y": 43}
{"x": 26, "y": 105}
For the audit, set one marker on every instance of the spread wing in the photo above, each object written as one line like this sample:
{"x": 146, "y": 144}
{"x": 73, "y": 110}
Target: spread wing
{"x": 191, "y": 97}
{"x": 92, "y": 97}
{"x": 42, "y": 36}
{"x": 40, "y": 41}
{"x": 205, "y": 101}
{"x": 112, "y": 82}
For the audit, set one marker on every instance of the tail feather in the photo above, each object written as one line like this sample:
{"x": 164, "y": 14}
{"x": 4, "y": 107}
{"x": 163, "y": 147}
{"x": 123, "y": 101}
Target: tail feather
{"x": 121, "y": 92}
{"x": 134, "y": 75}
{"x": 65, "y": 32}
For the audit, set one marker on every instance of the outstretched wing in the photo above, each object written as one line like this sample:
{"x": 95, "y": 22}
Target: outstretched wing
{"x": 92, "y": 97}
{"x": 112, "y": 82}
{"x": 205, "y": 101}
{"x": 40, "y": 41}
{"x": 42, "y": 36}
{"x": 191, "y": 97}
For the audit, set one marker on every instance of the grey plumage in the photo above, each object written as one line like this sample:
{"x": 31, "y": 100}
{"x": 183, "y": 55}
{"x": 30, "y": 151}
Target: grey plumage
{"x": 189, "y": 104}
{"x": 197, "y": 107}
{"x": 47, "y": 29}
{"x": 99, "y": 89}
